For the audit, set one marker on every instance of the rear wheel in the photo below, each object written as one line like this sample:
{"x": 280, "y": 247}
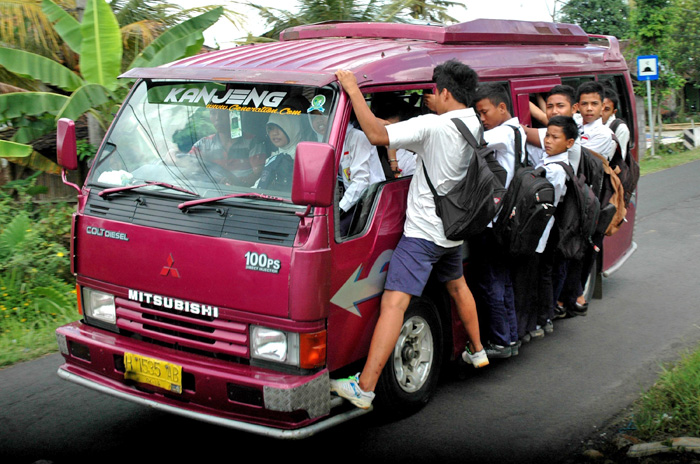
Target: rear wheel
{"x": 410, "y": 376}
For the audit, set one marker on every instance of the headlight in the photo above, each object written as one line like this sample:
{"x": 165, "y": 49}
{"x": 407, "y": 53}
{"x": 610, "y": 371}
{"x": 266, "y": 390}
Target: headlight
{"x": 99, "y": 308}
{"x": 274, "y": 345}
{"x": 305, "y": 350}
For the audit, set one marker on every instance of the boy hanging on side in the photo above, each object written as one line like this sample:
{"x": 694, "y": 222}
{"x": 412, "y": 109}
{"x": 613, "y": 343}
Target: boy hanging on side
{"x": 489, "y": 263}
{"x": 423, "y": 248}
{"x": 560, "y": 136}
{"x": 617, "y": 125}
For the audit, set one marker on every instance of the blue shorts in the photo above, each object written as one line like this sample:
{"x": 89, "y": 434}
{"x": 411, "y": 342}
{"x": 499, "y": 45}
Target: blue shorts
{"x": 413, "y": 261}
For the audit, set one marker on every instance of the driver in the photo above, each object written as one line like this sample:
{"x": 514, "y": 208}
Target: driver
{"x": 231, "y": 148}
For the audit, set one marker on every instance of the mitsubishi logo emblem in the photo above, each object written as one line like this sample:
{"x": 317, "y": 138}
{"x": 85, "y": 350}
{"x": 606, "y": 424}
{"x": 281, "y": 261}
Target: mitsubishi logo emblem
{"x": 169, "y": 269}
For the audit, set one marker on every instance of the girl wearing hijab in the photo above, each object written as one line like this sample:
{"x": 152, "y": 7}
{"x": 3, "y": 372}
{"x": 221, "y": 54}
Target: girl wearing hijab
{"x": 285, "y": 133}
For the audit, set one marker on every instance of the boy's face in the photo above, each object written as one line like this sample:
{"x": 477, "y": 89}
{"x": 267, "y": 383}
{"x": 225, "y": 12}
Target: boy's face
{"x": 559, "y": 105}
{"x": 590, "y": 105}
{"x": 608, "y": 110}
{"x": 555, "y": 142}
{"x": 491, "y": 115}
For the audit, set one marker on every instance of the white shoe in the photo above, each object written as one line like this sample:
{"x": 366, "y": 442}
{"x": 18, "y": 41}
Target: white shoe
{"x": 350, "y": 390}
{"x": 478, "y": 359}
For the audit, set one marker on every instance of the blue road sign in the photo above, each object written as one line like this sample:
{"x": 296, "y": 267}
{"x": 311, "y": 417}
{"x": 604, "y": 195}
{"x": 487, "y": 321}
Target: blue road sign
{"x": 648, "y": 68}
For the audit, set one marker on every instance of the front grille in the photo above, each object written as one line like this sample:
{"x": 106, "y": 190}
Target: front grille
{"x": 206, "y": 336}
{"x": 252, "y": 223}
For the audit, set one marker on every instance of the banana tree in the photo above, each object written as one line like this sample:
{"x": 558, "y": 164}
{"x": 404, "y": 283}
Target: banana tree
{"x": 96, "y": 89}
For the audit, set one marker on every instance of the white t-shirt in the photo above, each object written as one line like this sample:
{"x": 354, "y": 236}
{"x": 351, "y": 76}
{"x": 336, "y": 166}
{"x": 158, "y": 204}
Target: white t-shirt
{"x": 537, "y": 153}
{"x": 406, "y": 161}
{"x": 443, "y": 150}
{"x": 596, "y": 136}
{"x": 502, "y": 140}
{"x": 622, "y": 133}
{"x": 557, "y": 177}
{"x": 359, "y": 165}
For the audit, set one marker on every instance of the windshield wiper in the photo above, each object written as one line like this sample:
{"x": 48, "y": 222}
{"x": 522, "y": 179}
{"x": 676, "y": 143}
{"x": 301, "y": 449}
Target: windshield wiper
{"x": 110, "y": 191}
{"x": 204, "y": 201}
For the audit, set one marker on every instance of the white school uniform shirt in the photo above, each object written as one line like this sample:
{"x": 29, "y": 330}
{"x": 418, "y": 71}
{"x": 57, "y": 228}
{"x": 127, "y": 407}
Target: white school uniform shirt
{"x": 407, "y": 162}
{"x": 443, "y": 150}
{"x": 502, "y": 140}
{"x": 359, "y": 167}
{"x": 622, "y": 133}
{"x": 574, "y": 152}
{"x": 557, "y": 177}
{"x": 596, "y": 136}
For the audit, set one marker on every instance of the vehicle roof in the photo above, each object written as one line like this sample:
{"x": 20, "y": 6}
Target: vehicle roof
{"x": 386, "y": 53}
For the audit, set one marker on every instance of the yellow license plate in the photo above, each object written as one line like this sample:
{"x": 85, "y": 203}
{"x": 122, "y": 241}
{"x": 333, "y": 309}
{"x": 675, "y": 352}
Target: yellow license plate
{"x": 153, "y": 372}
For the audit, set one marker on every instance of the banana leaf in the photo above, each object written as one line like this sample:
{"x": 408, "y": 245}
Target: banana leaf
{"x": 14, "y": 150}
{"x": 67, "y": 26}
{"x": 40, "y": 68}
{"x": 21, "y": 104}
{"x": 82, "y": 100}
{"x": 192, "y": 26}
{"x": 101, "y": 48}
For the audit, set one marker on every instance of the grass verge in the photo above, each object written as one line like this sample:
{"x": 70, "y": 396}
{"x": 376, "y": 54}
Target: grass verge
{"x": 668, "y": 156}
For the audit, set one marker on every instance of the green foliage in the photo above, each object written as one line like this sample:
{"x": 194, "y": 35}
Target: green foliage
{"x": 36, "y": 286}
{"x": 316, "y": 11}
{"x": 684, "y": 39}
{"x": 97, "y": 89}
{"x": 607, "y": 17}
{"x": 85, "y": 150}
{"x": 672, "y": 406}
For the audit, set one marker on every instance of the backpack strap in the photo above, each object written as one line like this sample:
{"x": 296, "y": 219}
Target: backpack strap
{"x": 467, "y": 134}
{"x": 518, "y": 148}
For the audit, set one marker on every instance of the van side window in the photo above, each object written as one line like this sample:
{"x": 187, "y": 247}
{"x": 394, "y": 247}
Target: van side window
{"x": 624, "y": 109}
{"x": 375, "y": 165}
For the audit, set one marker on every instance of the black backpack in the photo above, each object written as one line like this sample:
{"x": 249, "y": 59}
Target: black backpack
{"x": 576, "y": 217}
{"x": 527, "y": 207}
{"x": 472, "y": 204}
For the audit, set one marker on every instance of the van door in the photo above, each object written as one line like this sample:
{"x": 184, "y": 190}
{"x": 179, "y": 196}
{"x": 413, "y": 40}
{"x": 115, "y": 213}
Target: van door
{"x": 525, "y": 90}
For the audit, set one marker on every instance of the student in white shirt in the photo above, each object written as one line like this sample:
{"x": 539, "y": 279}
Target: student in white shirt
{"x": 423, "y": 248}
{"x": 594, "y": 134}
{"x": 610, "y": 119}
{"x": 489, "y": 264}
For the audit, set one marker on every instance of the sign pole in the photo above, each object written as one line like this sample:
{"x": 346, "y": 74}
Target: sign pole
{"x": 648, "y": 70}
{"x": 651, "y": 118}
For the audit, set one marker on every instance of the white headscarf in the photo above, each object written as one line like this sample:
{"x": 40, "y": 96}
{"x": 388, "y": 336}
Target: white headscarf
{"x": 291, "y": 125}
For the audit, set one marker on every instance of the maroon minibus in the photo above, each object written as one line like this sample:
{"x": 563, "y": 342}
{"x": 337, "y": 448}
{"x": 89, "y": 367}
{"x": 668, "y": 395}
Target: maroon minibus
{"x": 210, "y": 289}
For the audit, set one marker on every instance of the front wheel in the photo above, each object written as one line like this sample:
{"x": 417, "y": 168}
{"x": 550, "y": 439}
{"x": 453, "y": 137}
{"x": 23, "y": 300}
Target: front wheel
{"x": 410, "y": 376}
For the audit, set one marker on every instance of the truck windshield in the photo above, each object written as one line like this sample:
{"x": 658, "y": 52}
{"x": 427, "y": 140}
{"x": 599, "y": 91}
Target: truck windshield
{"x": 212, "y": 139}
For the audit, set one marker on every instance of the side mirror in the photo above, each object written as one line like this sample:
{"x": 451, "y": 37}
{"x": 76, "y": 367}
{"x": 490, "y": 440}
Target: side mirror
{"x": 314, "y": 180}
{"x": 66, "y": 149}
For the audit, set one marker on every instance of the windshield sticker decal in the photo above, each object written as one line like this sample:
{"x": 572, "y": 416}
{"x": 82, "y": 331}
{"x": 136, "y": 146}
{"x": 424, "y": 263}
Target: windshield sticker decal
{"x": 219, "y": 97}
{"x": 260, "y": 262}
{"x": 317, "y": 104}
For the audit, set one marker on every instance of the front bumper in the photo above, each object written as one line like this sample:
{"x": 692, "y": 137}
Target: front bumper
{"x": 233, "y": 395}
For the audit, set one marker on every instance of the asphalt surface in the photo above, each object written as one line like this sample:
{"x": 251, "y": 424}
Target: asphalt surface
{"x": 538, "y": 407}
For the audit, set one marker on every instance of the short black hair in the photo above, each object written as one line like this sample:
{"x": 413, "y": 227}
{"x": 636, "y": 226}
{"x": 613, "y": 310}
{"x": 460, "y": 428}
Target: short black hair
{"x": 591, "y": 87}
{"x": 496, "y": 94}
{"x": 565, "y": 90}
{"x": 458, "y": 78}
{"x": 611, "y": 95}
{"x": 386, "y": 106}
{"x": 567, "y": 124}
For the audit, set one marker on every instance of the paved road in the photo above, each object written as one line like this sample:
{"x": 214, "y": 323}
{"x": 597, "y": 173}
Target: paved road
{"x": 534, "y": 408}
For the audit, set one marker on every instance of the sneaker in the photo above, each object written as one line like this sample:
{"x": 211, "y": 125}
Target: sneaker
{"x": 579, "y": 309}
{"x": 526, "y": 338}
{"x": 478, "y": 359}
{"x": 548, "y": 327}
{"x": 515, "y": 348}
{"x": 537, "y": 333}
{"x": 350, "y": 390}
{"x": 559, "y": 311}
{"x": 497, "y": 351}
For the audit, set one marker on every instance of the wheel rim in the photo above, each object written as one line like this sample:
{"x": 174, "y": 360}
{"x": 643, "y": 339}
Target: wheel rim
{"x": 413, "y": 354}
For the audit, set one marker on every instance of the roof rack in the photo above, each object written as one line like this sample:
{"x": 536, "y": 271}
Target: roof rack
{"x": 477, "y": 31}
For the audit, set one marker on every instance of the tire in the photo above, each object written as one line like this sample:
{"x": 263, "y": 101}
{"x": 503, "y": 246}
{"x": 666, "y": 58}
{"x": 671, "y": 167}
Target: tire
{"x": 593, "y": 286}
{"x": 410, "y": 375}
